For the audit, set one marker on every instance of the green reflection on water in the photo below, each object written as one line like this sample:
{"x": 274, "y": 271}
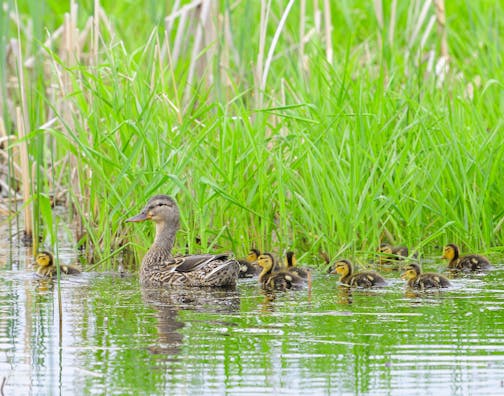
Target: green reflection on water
{"x": 118, "y": 338}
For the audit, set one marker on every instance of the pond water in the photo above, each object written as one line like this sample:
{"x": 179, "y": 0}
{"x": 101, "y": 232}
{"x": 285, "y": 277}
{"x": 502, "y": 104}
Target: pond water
{"x": 115, "y": 338}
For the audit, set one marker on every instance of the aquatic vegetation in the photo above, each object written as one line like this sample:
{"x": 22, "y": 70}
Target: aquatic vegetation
{"x": 267, "y": 133}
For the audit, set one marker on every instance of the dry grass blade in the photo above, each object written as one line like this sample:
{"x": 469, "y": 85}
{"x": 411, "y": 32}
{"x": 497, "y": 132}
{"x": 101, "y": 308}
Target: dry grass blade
{"x": 393, "y": 17}
{"x": 273, "y": 45}
{"x": 441, "y": 21}
{"x": 328, "y": 32}
{"x": 25, "y": 169}
{"x": 197, "y": 47}
{"x": 420, "y": 20}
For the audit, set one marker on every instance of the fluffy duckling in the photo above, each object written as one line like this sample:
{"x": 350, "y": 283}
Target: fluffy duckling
{"x": 276, "y": 280}
{"x": 360, "y": 279}
{"x": 388, "y": 253}
{"x": 47, "y": 269}
{"x": 290, "y": 264}
{"x": 418, "y": 280}
{"x": 471, "y": 262}
{"x": 249, "y": 267}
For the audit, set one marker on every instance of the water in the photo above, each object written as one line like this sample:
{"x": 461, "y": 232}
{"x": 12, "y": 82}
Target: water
{"x": 118, "y": 339}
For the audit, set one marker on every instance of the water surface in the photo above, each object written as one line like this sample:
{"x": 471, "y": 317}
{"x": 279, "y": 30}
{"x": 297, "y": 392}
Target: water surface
{"x": 116, "y": 338}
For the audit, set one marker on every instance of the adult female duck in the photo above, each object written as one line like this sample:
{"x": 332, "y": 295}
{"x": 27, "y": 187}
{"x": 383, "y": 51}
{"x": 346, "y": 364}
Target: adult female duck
{"x": 160, "y": 268}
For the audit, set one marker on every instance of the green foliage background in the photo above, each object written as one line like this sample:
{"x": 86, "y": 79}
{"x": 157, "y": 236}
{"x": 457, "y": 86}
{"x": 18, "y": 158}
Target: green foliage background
{"x": 332, "y": 157}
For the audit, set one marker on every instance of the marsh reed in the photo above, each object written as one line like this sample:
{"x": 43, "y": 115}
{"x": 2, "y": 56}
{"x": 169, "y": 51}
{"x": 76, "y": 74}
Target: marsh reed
{"x": 308, "y": 125}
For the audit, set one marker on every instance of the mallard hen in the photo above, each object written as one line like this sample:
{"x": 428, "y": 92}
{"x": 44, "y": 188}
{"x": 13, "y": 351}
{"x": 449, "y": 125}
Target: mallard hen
{"x": 160, "y": 268}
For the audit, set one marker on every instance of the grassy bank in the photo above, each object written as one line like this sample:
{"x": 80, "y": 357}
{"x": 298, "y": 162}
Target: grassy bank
{"x": 285, "y": 126}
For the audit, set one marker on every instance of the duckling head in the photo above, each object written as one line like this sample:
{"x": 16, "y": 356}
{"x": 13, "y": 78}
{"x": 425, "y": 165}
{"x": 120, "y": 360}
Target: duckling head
{"x": 265, "y": 261}
{"x": 252, "y": 255}
{"x": 290, "y": 259}
{"x": 385, "y": 248}
{"x": 450, "y": 252}
{"x": 411, "y": 272}
{"x": 159, "y": 209}
{"x": 342, "y": 268}
{"x": 44, "y": 259}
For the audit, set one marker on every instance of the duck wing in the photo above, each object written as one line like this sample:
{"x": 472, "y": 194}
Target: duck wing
{"x": 195, "y": 262}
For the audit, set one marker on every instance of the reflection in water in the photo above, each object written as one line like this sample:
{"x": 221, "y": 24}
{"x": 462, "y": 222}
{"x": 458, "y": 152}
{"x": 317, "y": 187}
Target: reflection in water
{"x": 168, "y": 303}
{"x": 423, "y": 294}
{"x": 120, "y": 339}
{"x": 43, "y": 285}
{"x": 344, "y": 295}
{"x": 267, "y": 305}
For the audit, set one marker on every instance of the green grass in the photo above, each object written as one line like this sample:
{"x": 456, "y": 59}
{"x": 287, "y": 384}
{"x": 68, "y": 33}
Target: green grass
{"x": 335, "y": 158}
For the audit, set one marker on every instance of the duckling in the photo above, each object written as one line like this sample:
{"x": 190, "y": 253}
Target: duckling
{"x": 290, "y": 265}
{"x": 47, "y": 269}
{"x": 249, "y": 267}
{"x": 418, "y": 280}
{"x": 361, "y": 279}
{"x": 160, "y": 268}
{"x": 278, "y": 280}
{"x": 471, "y": 262}
{"x": 388, "y": 253}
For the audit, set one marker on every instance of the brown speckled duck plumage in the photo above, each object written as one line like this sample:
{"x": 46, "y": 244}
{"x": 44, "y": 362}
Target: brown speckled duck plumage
{"x": 160, "y": 268}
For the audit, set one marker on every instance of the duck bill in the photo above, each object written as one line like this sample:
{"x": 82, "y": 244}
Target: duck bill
{"x": 139, "y": 217}
{"x": 403, "y": 276}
